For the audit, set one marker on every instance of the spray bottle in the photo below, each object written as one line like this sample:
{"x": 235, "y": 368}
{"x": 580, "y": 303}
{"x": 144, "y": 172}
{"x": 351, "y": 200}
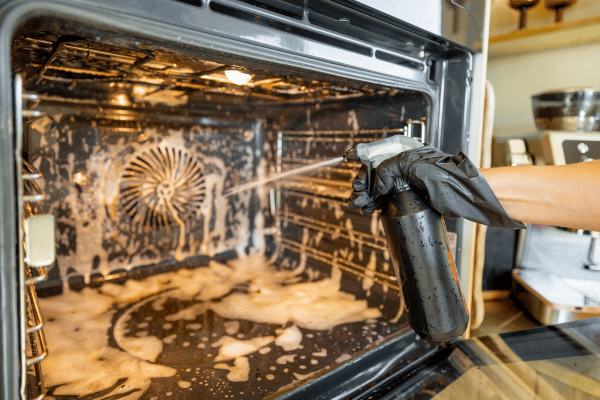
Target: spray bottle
{"x": 418, "y": 244}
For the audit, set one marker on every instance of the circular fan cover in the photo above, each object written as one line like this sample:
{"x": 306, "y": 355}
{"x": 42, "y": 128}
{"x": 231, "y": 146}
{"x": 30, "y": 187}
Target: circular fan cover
{"x": 162, "y": 186}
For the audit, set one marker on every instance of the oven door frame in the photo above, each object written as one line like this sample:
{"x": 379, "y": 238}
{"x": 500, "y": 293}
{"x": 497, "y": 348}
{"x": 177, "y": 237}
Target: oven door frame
{"x": 137, "y": 17}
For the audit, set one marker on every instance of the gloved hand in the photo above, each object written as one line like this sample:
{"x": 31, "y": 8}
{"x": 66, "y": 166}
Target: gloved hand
{"x": 360, "y": 197}
{"x": 451, "y": 185}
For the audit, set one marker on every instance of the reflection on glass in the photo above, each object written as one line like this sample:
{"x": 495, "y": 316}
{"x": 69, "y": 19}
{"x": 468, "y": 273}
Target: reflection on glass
{"x": 556, "y": 362}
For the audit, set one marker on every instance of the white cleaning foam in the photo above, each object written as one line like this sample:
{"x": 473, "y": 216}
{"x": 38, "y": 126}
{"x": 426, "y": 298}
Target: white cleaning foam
{"x": 82, "y": 362}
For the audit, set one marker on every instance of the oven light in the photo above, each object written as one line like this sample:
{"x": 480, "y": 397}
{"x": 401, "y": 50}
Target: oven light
{"x": 237, "y": 77}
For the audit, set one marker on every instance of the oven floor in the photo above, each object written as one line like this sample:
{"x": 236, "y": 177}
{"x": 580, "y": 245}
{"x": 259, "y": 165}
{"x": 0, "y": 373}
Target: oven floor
{"x": 177, "y": 343}
{"x": 270, "y": 367}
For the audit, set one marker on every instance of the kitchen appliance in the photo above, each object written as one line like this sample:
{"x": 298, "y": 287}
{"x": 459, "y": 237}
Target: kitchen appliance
{"x": 567, "y": 122}
{"x": 575, "y": 109}
{"x": 129, "y": 129}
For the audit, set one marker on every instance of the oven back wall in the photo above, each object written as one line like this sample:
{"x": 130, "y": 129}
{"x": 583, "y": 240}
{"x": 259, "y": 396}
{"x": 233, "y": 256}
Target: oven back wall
{"x": 129, "y": 193}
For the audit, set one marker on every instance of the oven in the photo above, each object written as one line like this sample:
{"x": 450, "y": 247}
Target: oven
{"x": 157, "y": 238}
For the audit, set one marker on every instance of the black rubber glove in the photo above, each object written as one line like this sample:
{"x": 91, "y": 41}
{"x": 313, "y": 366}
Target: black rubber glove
{"x": 451, "y": 185}
{"x": 361, "y": 198}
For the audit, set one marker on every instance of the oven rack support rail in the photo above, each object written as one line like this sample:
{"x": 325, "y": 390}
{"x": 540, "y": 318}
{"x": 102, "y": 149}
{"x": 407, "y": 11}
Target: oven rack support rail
{"x": 38, "y": 250}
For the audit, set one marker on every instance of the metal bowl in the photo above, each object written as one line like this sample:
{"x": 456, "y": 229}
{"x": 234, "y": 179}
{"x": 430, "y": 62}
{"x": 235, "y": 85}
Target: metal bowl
{"x": 575, "y": 109}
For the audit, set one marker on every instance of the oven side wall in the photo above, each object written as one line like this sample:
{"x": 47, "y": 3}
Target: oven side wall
{"x": 11, "y": 272}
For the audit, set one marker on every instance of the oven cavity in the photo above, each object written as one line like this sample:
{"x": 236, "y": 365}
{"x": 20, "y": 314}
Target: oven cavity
{"x": 198, "y": 280}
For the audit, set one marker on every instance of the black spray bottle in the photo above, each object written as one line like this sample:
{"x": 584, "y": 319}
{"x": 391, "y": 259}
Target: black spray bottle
{"x": 418, "y": 244}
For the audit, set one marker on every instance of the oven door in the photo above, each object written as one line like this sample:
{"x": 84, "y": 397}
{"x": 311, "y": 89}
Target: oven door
{"x": 553, "y": 362}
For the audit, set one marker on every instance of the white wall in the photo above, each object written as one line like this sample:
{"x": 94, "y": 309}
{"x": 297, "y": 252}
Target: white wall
{"x": 426, "y": 14}
{"x": 517, "y": 78}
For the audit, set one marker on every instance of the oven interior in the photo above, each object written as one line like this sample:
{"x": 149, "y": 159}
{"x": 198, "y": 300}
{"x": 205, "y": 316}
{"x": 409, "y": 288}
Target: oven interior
{"x": 147, "y": 154}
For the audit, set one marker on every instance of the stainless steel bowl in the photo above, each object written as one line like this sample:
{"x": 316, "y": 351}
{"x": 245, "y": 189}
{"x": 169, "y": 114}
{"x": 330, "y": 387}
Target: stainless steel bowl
{"x": 576, "y": 109}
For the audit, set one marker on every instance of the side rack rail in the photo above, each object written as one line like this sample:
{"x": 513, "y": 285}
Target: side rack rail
{"x": 38, "y": 249}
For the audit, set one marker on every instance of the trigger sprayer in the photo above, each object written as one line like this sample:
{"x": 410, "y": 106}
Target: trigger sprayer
{"x": 418, "y": 244}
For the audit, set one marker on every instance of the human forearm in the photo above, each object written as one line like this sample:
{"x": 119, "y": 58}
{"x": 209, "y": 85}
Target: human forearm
{"x": 565, "y": 195}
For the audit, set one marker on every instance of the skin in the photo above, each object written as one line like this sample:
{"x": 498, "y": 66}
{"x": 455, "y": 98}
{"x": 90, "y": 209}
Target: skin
{"x": 559, "y": 195}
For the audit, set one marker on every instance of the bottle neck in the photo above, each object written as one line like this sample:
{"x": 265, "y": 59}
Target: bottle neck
{"x": 402, "y": 200}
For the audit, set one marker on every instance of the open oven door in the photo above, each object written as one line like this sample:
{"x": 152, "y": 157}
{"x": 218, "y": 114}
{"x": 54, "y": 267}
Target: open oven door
{"x": 552, "y": 362}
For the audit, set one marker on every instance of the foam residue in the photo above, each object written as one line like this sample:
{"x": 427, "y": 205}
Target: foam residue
{"x": 316, "y": 305}
{"x": 234, "y": 348}
{"x": 80, "y": 360}
{"x": 188, "y": 314}
{"x": 322, "y": 353}
{"x": 169, "y": 339}
{"x": 258, "y": 238}
{"x": 132, "y": 289}
{"x": 286, "y": 359}
{"x": 343, "y": 357}
{"x": 184, "y": 384}
{"x": 232, "y": 327}
{"x": 239, "y": 371}
{"x": 159, "y": 304}
{"x": 290, "y": 339}
{"x": 300, "y": 377}
{"x": 367, "y": 282}
{"x": 147, "y": 348}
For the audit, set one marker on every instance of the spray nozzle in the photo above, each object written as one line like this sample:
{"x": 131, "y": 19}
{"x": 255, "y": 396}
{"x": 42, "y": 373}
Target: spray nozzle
{"x": 351, "y": 155}
{"x": 373, "y": 153}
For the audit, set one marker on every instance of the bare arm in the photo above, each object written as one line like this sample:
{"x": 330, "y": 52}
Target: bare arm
{"x": 561, "y": 195}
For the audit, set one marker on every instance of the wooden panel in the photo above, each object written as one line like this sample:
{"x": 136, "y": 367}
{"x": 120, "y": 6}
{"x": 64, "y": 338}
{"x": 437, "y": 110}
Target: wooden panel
{"x": 546, "y": 38}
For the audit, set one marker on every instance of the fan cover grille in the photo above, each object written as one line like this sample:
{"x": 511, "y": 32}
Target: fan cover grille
{"x": 162, "y": 186}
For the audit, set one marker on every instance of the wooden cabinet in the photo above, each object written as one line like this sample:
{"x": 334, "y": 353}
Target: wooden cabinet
{"x": 546, "y": 38}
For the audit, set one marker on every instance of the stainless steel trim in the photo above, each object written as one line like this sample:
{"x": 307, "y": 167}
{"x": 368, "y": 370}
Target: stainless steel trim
{"x": 40, "y": 278}
{"x": 32, "y": 198}
{"x": 409, "y": 130}
{"x": 543, "y": 310}
{"x": 31, "y": 114}
{"x": 30, "y": 177}
{"x": 31, "y": 317}
{"x": 18, "y": 130}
